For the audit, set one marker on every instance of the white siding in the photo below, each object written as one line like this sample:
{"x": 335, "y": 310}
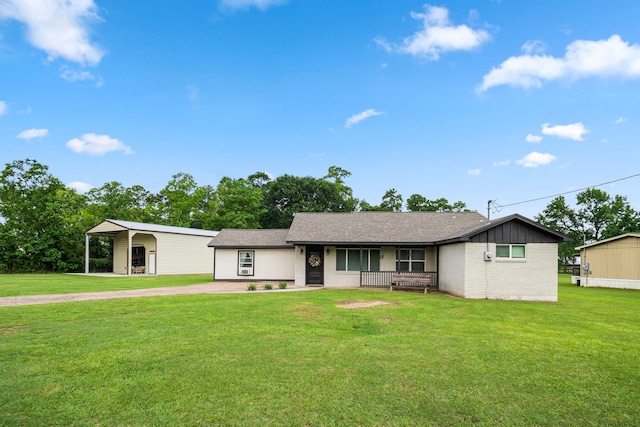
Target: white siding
{"x": 105, "y": 226}
{"x": 120, "y": 253}
{"x": 270, "y": 264}
{"x": 183, "y": 254}
{"x": 175, "y": 253}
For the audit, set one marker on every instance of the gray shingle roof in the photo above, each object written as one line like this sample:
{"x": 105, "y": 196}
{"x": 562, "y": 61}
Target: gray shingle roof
{"x": 235, "y": 238}
{"x": 383, "y": 227}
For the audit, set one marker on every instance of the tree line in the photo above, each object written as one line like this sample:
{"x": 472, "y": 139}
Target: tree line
{"x": 42, "y": 221}
{"x": 596, "y": 216}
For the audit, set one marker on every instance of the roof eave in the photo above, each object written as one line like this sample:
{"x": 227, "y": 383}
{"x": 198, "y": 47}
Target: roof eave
{"x": 251, "y": 246}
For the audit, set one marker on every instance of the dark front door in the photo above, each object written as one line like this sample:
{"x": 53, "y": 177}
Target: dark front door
{"x": 315, "y": 265}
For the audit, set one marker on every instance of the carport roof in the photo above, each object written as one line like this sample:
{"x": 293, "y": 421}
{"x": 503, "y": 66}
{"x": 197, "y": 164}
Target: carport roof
{"x": 111, "y": 227}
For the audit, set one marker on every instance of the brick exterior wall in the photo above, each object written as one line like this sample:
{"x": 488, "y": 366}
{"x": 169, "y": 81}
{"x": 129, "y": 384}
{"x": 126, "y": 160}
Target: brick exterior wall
{"x": 465, "y": 273}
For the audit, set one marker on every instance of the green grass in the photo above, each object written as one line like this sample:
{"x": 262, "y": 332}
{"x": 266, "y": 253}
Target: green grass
{"x": 12, "y": 285}
{"x": 297, "y": 359}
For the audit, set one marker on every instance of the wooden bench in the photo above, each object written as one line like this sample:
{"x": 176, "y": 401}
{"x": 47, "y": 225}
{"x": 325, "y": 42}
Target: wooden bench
{"x": 137, "y": 270}
{"x": 411, "y": 282}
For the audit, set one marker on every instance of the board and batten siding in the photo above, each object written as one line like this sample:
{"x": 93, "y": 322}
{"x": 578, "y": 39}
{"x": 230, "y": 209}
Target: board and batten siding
{"x": 513, "y": 232}
{"x": 275, "y": 264}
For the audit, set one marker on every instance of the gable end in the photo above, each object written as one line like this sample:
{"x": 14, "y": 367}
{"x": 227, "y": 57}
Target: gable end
{"x": 513, "y": 232}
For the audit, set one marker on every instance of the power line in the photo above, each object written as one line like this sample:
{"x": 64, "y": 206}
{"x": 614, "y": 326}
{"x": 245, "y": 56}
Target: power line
{"x": 569, "y": 192}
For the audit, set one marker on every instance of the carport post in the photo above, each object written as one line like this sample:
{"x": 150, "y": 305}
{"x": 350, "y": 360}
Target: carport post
{"x": 86, "y": 253}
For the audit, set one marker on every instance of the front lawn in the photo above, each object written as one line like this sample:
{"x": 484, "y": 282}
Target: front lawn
{"x": 12, "y": 285}
{"x": 300, "y": 359}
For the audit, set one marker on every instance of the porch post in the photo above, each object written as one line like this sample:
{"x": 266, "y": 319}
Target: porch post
{"x": 438, "y": 266}
{"x": 128, "y": 252}
{"x": 86, "y": 253}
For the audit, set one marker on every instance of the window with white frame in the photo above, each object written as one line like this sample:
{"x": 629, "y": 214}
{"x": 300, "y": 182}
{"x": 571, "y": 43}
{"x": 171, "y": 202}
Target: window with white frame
{"x": 246, "y": 263}
{"x": 411, "y": 260}
{"x": 511, "y": 251}
{"x": 349, "y": 260}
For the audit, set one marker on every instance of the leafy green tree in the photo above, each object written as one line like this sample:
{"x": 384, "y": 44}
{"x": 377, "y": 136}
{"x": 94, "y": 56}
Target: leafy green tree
{"x": 417, "y": 202}
{"x": 115, "y": 201}
{"x": 597, "y": 216}
{"x": 603, "y": 216}
{"x": 391, "y": 202}
{"x": 288, "y": 194}
{"x": 238, "y": 203}
{"x": 338, "y": 174}
{"x": 259, "y": 179}
{"x": 204, "y": 210}
{"x": 178, "y": 200}
{"x": 561, "y": 217}
{"x": 40, "y": 230}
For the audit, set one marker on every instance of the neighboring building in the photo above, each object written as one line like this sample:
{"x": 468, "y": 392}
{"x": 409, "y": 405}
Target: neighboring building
{"x": 140, "y": 248}
{"x": 612, "y": 263}
{"x": 466, "y": 254}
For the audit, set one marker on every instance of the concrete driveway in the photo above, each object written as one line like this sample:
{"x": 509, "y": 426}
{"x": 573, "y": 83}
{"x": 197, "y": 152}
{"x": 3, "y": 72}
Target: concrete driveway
{"x": 205, "y": 288}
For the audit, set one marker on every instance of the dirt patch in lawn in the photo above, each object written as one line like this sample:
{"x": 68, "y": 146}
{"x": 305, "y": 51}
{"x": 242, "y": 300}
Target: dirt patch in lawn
{"x": 352, "y": 305}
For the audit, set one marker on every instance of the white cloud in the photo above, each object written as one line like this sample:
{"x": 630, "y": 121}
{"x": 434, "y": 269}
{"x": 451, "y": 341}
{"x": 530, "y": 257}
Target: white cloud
{"x": 246, "y": 4}
{"x": 79, "y": 186}
{"x": 583, "y": 58}
{"x": 574, "y": 131}
{"x": 33, "y": 133}
{"x": 437, "y": 36}
{"x": 533, "y": 46}
{"x": 474, "y": 172}
{"x": 97, "y": 145}
{"x": 621, "y": 120}
{"x": 82, "y": 75}
{"x": 533, "y": 138}
{"x": 4, "y": 108}
{"x": 535, "y": 159}
{"x": 502, "y": 163}
{"x": 353, "y": 120}
{"x": 58, "y": 27}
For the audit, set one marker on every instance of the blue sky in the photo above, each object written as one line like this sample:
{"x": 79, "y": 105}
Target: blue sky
{"x": 503, "y": 100}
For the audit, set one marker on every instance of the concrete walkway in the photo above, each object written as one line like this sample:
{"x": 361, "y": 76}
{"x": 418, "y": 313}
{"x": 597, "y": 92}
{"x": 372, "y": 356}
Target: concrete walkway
{"x": 206, "y": 288}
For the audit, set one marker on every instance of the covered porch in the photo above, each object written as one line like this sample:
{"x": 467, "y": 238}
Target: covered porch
{"x": 133, "y": 252}
{"x": 427, "y": 280}
{"x": 374, "y": 266}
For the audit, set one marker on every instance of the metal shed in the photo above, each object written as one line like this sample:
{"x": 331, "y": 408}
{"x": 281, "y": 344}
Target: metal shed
{"x": 140, "y": 248}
